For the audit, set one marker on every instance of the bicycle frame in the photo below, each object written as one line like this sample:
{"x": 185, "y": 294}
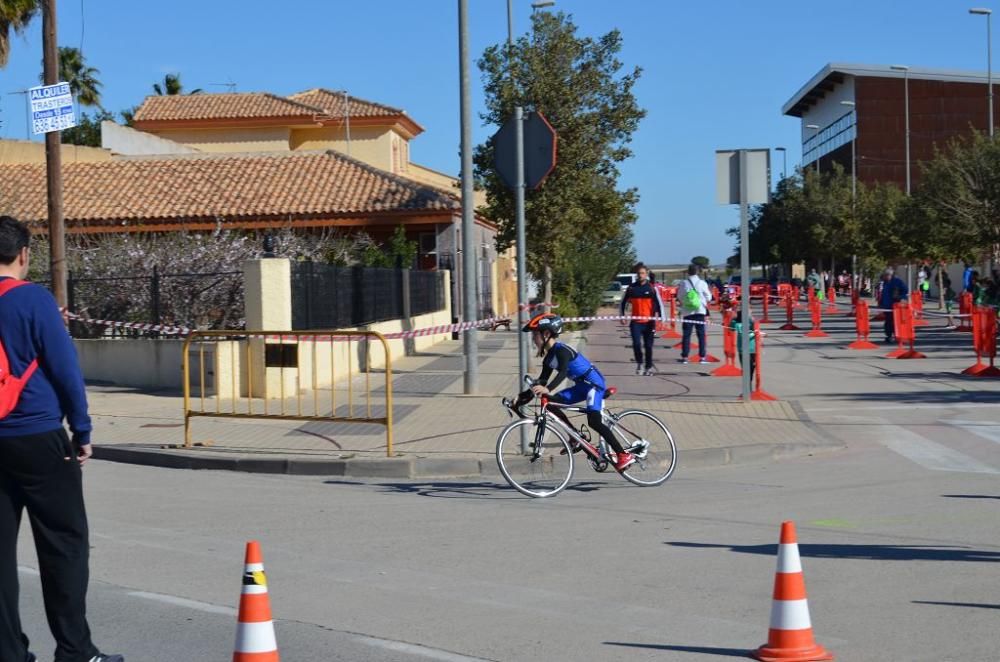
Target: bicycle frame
{"x": 595, "y": 452}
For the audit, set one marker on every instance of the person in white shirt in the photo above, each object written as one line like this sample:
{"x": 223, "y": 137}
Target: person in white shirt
{"x": 694, "y": 296}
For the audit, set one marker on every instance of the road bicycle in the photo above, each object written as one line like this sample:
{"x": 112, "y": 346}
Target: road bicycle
{"x": 541, "y": 464}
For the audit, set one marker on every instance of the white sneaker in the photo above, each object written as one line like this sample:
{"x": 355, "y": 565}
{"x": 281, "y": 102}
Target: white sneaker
{"x": 683, "y": 359}
{"x": 650, "y": 371}
{"x": 638, "y": 370}
{"x": 701, "y": 359}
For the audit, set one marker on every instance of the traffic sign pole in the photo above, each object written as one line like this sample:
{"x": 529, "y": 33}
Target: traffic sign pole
{"x": 522, "y": 250}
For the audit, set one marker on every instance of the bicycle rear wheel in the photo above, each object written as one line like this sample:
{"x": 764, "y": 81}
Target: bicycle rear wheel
{"x": 546, "y": 467}
{"x": 649, "y": 439}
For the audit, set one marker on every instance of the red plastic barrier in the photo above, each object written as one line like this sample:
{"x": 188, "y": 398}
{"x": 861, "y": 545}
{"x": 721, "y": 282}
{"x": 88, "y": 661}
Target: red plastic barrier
{"x": 730, "y": 369}
{"x": 767, "y": 305}
{"x": 855, "y": 298}
{"x": 863, "y": 327}
{"x": 917, "y": 303}
{"x": 965, "y": 312}
{"x": 789, "y": 324}
{"x": 977, "y": 345}
{"x": 905, "y": 333}
{"x": 669, "y": 329}
{"x": 831, "y": 295}
{"x": 816, "y": 310}
{"x": 988, "y": 340}
{"x": 759, "y": 393}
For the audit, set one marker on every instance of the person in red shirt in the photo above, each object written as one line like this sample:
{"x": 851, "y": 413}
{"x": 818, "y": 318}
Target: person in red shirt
{"x": 645, "y": 302}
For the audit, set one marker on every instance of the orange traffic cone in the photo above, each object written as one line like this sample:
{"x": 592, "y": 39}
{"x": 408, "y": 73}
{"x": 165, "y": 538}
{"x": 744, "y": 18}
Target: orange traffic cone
{"x": 790, "y": 637}
{"x": 255, "y": 640}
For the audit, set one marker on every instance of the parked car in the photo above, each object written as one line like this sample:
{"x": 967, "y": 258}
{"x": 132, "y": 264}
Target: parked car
{"x": 626, "y": 279}
{"x": 612, "y": 296}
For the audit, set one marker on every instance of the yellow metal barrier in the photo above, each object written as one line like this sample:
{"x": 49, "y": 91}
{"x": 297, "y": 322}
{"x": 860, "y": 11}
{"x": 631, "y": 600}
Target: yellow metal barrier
{"x": 251, "y": 368}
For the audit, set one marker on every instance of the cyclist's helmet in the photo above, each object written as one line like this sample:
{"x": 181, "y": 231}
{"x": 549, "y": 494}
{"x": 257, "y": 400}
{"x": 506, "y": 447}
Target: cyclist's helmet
{"x": 545, "y": 322}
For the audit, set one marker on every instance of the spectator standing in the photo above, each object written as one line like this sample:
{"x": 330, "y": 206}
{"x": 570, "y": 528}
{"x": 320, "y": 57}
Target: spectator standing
{"x": 645, "y": 301}
{"x": 40, "y": 467}
{"x": 816, "y": 283}
{"x": 893, "y": 291}
{"x": 694, "y": 296}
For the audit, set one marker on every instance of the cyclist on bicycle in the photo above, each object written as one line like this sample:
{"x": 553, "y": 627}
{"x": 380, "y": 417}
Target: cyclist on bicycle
{"x": 567, "y": 363}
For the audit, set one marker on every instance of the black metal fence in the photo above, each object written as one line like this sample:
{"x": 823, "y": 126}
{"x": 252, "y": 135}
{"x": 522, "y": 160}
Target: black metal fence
{"x": 329, "y": 297}
{"x": 199, "y": 300}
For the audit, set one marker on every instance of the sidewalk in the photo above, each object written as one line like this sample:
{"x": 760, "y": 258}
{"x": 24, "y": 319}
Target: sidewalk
{"x": 441, "y": 432}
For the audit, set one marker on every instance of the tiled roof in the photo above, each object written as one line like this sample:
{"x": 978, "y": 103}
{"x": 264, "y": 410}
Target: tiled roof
{"x": 332, "y": 104}
{"x": 245, "y": 105}
{"x": 229, "y": 188}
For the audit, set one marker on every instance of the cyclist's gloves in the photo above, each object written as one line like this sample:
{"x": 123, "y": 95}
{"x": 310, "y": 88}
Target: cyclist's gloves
{"x": 524, "y": 397}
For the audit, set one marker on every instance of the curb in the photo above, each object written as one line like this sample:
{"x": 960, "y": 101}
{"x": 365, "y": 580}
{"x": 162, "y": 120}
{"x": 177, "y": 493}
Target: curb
{"x": 422, "y": 467}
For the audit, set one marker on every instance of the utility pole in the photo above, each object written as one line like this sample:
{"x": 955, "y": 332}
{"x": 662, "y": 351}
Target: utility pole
{"x": 521, "y": 243}
{"x": 53, "y": 161}
{"x": 469, "y": 280}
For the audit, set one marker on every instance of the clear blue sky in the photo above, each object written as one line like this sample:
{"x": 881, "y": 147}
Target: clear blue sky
{"x": 715, "y": 74}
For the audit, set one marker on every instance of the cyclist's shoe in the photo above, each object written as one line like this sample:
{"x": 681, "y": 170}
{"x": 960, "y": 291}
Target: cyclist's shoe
{"x": 639, "y": 449}
{"x": 625, "y": 460}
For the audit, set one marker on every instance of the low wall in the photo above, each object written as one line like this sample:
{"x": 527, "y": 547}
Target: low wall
{"x": 157, "y": 364}
{"x": 139, "y": 362}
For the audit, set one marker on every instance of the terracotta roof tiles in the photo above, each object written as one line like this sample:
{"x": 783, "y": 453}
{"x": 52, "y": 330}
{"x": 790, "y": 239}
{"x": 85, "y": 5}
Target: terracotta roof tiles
{"x": 229, "y": 188}
{"x": 245, "y": 105}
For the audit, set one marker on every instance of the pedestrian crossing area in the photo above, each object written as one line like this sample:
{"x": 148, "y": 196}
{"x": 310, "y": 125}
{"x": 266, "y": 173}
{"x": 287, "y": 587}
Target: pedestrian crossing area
{"x": 946, "y": 444}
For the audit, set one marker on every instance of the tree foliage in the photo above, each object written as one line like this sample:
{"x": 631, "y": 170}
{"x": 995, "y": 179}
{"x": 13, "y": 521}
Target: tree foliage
{"x": 82, "y": 78}
{"x": 15, "y": 15}
{"x": 578, "y": 84}
{"x": 172, "y": 85}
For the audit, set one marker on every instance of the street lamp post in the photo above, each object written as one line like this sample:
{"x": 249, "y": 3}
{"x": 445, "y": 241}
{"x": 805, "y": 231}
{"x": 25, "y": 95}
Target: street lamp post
{"x": 469, "y": 293}
{"x": 988, "y": 13}
{"x": 854, "y": 184}
{"x": 815, "y": 130}
{"x": 906, "y": 118}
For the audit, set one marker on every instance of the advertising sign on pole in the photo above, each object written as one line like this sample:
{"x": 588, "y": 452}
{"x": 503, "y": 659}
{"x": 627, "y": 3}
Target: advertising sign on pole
{"x": 51, "y": 108}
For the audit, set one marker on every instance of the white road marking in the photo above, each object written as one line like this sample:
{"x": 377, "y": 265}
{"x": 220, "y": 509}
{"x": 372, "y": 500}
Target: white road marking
{"x": 415, "y": 649}
{"x": 930, "y": 454}
{"x": 184, "y": 602}
{"x": 985, "y": 429}
{"x": 850, "y": 407}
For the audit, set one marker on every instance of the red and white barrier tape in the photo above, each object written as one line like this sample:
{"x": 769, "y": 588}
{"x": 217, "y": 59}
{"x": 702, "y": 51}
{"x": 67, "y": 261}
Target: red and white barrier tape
{"x": 171, "y": 330}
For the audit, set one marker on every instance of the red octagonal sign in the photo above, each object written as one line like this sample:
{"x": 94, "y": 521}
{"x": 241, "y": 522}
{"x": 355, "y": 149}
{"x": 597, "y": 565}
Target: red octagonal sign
{"x": 539, "y": 150}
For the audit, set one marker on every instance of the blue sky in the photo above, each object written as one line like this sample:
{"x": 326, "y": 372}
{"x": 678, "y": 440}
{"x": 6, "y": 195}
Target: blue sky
{"x": 715, "y": 74}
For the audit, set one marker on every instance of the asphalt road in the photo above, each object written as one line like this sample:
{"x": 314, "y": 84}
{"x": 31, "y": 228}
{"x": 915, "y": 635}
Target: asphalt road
{"x": 900, "y": 560}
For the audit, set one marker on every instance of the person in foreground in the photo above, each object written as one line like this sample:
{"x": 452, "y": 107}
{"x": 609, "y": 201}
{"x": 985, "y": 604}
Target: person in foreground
{"x": 567, "y": 363}
{"x": 40, "y": 467}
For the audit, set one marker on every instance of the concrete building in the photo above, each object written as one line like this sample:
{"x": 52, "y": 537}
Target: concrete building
{"x": 943, "y": 104}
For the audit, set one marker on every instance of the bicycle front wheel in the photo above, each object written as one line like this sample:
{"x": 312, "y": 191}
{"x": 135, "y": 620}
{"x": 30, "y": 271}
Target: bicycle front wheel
{"x": 544, "y": 468}
{"x": 649, "y": 439}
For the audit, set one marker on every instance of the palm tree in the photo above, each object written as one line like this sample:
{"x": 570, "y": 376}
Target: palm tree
{"x": 83, "y": 83}
{"x": 14, "y": 17}
{"x": 172, "y": 85}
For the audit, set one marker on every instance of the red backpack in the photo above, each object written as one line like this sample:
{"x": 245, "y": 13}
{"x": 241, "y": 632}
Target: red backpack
{"x": 11, "y": 386}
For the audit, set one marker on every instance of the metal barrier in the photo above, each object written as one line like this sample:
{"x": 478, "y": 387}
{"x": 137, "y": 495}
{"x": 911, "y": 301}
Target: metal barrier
{"x": 249, "y": 369}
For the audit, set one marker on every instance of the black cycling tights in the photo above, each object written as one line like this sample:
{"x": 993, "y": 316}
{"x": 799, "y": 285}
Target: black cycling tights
{"x": 597, "y": 425}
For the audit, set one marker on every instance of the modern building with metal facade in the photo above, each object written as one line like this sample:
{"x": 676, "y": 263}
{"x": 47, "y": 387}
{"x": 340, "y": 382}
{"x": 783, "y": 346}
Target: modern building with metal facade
{"x": 866, "y": 105}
